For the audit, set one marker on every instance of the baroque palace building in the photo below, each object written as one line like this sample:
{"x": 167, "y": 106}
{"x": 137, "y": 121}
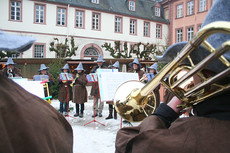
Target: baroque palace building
{"x": 186, "y": 17}
{"x": 91, "y": 23}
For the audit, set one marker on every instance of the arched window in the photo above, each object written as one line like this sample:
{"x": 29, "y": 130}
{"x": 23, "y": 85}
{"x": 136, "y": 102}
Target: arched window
{"x": 91, "y": 51}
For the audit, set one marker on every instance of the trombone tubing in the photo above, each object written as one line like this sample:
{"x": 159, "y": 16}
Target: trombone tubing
{"x": 211, "y": 57}
{"x": 205, "y": 32}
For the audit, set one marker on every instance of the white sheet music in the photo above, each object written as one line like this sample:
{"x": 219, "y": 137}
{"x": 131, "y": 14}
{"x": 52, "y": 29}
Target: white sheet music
{"x": 110, "y": 81}
{"x": 92, "y": 77}
{"x": 34, "y": 87}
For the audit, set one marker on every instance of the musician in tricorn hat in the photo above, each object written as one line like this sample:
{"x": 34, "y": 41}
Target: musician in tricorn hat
{"x": 44, "y": 70}
{"x": 208, "y": 129}
{"x": 65, "y": 90}
{"x": 98, "y": 107}
{"x": 135, "y": 66}
{"x": 10, "y": 70}
{"x": 79, "y": 90}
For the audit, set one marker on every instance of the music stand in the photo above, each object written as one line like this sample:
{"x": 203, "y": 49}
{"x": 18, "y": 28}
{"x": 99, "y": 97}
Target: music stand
{"x": 67, "y": 92}
{"x": 45, "y": 86}
{"x": 93, "y": 121}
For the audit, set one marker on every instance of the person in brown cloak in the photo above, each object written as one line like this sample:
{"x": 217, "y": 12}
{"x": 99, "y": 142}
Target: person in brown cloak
{"x": 65, "y": 90}
{"x": 29, "y": 124}
{"x": 79, "y": 90}
{"x": 206, "y": 131}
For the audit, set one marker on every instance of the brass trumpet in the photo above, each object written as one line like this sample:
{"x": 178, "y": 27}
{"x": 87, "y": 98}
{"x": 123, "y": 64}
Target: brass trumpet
{"x": 143, "y": 78}
{"x": 126, "y": 102}
{"x": 77, "y": 76}
{"x": 10, "y": 73}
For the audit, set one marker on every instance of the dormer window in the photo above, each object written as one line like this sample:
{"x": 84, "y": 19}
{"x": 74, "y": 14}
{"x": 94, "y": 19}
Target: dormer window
{"x": 131, "y": 5}
{"x": 95, "y": 1}
{"x": 157, "y": 11}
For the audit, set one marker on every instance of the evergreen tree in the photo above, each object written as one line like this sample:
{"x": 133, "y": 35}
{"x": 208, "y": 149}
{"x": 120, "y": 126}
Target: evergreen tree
{"x": 54, "y": 69}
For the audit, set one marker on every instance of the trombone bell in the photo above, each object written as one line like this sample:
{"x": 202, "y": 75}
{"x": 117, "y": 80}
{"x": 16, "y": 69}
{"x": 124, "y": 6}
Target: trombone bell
{"x": 130, "y": 105}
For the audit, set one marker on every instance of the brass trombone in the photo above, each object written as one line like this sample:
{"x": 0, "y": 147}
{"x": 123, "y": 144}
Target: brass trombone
{"x": 129, "y": 104}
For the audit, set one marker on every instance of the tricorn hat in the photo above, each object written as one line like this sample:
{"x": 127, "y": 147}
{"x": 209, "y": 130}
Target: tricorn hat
{"x": 10, "y": 42}
{"x": 100, "y": 59}
{"x": 154, "y": 66}
{"x": 80, "y": 67}
{"x": 43, "y": 67}
{"x": 135, "y": 61}
{"x": 65, "y": 67}
{"x": 116, "y": 64}
{"x": 220, "y": 11}
{"x": 10, "y": 61}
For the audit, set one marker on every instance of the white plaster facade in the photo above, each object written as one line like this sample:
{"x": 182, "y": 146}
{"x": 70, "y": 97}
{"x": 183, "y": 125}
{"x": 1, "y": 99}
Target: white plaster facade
{"x": 45, "y": 33}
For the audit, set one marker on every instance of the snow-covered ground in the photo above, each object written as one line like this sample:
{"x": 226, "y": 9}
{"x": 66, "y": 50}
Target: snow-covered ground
{"x": 93, "y": 137}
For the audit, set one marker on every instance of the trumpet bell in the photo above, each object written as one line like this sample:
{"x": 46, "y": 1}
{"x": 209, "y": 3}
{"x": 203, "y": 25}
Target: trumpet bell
{"x": 128, "y": 107}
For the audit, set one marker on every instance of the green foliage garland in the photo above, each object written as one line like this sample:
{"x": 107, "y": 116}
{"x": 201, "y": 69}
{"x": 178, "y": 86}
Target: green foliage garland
{"x": 63, "y": 49}
{"x": 116, "y": 52}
